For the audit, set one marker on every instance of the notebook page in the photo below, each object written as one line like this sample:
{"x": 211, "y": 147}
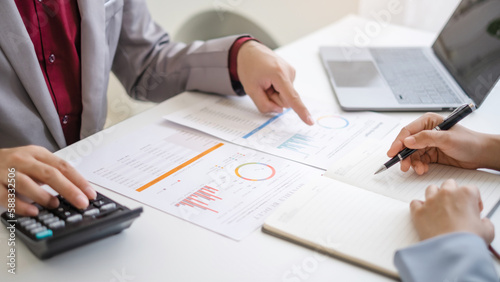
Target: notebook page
{"x": 353, "y": 223}
{"x": 358, "y": 168}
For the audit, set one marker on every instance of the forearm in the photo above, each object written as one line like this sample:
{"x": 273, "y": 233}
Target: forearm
{"x": 152, "y": 67}
{"x": 200, "y": 66}
{"x": 491, "y": 152}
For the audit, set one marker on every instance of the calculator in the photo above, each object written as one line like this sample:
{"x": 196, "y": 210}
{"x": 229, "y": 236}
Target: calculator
{"x": 54, "y": 231}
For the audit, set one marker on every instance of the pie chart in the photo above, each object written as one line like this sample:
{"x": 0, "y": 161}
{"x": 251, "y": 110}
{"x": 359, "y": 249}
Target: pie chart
{"x": 332, "y": 122}
{"x": 255, "y": 171}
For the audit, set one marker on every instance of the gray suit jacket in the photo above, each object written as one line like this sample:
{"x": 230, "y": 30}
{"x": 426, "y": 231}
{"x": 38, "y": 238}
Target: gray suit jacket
{"x": 453, "y": 257}
{"x": 117, "y": 35}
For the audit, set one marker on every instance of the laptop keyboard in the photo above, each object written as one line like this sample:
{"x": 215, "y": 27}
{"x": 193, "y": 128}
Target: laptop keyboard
{"x": 412, "y": 77}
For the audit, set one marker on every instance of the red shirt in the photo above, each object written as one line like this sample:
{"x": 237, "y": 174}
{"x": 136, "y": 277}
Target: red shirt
{"x": 54, "y": 29}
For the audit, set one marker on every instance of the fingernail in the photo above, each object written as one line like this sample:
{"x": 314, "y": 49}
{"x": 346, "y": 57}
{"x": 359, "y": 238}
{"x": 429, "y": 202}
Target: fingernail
{"x": 53, "y": 203}
{"x": 89, "y": 191}
{"x": 81, "y": 201}
{"x": 410, "y": 140}
{"x": 310, "y": 120}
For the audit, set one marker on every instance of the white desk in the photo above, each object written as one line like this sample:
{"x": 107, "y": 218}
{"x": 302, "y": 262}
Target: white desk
{"x": 160, "y": 247}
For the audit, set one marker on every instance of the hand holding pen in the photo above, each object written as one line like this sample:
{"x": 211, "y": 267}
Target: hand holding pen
{"x": 458, "y": 146}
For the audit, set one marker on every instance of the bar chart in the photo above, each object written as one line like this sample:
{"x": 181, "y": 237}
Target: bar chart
{"x": 201, "y": 199}
{"x": 298, "y": 143}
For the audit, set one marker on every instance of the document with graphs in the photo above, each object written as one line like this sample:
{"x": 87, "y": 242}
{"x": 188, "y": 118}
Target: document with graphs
{"x": 220, "y": 186}
{"x": 237, "y": 120}
{"x": 351, "y": 213}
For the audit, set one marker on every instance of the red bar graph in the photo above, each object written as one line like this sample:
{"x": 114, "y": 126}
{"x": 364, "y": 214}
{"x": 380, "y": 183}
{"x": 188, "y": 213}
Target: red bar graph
{"x": 201, "y": 199}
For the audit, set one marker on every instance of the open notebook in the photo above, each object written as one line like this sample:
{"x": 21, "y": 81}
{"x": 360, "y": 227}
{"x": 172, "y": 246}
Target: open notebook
{"x": 364, "y": 218}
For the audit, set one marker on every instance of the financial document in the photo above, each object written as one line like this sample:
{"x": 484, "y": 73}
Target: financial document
{"x": 220, "y": 186}
{"x": 236, "y": 119}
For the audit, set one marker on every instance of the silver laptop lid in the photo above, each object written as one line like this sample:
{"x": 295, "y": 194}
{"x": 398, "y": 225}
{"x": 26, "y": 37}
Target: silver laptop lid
{"x": 469, "y": 47}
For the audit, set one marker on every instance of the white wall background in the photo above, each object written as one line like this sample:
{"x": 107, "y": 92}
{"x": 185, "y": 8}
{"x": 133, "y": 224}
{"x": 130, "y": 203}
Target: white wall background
{"x": 284, "y": 21}
{"x": 429, "y": 15}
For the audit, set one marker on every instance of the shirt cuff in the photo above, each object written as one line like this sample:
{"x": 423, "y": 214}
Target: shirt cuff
{"x": 457, "y": 256}
{"x": 233, "y": 55}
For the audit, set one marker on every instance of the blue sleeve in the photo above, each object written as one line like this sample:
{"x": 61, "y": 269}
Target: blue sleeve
{"x": 451, "y": 257}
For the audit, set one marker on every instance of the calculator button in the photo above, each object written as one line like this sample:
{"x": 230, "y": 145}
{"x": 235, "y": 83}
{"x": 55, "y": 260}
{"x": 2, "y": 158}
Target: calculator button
{"x": 98, "y": 203}
{"x": 58, "y": 224}
{"x": 45, "y": 216}
{"x": 109, "y": 206}
{"x": 91, "y": 212}
{"x": 33, "y": 226}
{"x": 38, "y": 229}
{"x": 28, "y": 222}
{"x": 44, "y": 234}
{"x": 74, "y": 218}
{"x": 42, "y": 212}
{"x": 65, "y": 213}
{"x": 50, "y": 220}
{"x": 23, "y": 219}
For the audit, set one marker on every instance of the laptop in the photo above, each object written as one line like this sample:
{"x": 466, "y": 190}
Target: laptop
{"x": 462, "y": 66}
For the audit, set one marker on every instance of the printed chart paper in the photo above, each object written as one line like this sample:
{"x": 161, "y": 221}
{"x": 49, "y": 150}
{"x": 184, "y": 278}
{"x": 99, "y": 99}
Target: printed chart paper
{"x": 220, "y": 186}
{"x": 237, "y": 120}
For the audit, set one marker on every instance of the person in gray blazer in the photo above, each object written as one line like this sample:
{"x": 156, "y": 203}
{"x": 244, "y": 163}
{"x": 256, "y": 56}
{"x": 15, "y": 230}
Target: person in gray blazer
{"x": 454, "y": 237}
{"x": 106, "y": 35}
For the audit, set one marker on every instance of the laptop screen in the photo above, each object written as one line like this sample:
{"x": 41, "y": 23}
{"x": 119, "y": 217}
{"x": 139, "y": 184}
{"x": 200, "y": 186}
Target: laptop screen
{"x": 469, "y": 47}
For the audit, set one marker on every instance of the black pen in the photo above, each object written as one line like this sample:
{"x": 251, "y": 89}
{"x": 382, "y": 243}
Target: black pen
{"x": 457, "y": 115}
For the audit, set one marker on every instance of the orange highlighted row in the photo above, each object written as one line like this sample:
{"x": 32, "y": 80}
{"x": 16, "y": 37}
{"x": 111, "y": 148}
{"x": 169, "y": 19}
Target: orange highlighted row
{"x": 176, "y": 169}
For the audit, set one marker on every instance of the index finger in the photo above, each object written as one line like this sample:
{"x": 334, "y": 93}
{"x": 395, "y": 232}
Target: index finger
{"x": 66, "y": 170}
{"x": 292, "y": 98}
{"x": 425, "y": 122}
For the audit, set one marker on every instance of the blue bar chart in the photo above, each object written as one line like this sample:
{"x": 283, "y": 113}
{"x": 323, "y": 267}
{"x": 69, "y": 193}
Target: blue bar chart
{"x": 298, "y": 143}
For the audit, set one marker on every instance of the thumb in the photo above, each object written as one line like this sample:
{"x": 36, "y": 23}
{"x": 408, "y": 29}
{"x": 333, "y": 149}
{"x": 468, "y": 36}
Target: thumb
{"x": 488, "y": 230}
{"x": 426, "y": 138}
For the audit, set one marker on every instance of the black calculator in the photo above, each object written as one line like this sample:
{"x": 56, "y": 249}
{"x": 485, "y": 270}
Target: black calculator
{"x": 54, "y": 231}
